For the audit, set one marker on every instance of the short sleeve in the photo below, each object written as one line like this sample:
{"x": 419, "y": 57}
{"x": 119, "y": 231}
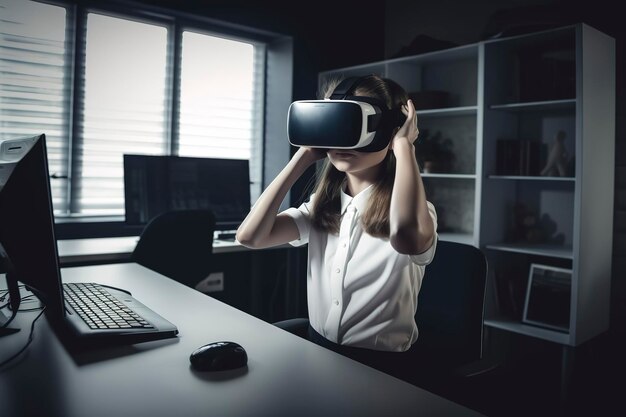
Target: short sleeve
{"x": 427, "y": 256}
{"x": 302, "y": 218}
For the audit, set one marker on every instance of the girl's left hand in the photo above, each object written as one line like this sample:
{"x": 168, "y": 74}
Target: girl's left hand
{"x": 408, "y": 131}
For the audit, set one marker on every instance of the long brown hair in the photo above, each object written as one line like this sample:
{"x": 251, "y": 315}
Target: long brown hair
{"x": 326, "y": 212}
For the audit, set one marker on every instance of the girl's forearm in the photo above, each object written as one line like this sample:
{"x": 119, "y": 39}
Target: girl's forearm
{"x": 256, "y": 228}
{"x": 411, "y": 227}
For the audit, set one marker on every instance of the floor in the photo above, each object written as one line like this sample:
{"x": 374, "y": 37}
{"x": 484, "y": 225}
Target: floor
{"x": 527, "y": 380}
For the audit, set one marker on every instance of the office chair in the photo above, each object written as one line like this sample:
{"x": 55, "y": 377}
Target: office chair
{"x": 178, "y": 244}
{"x": 451, "y": 303}
{"x": 449, "y": 318}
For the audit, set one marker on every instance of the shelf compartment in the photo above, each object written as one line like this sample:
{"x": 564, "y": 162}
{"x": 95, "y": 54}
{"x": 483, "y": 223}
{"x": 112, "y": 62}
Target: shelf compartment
{"x": 448, "y": 143}
{"x": 454, "y": 201}
{"x": 529, "y": 216}
{"x": 528, "y": 330}
{"x": 520, "y": 143}
{"x": 435, "y": 83}
{"x": 532, "y": 69}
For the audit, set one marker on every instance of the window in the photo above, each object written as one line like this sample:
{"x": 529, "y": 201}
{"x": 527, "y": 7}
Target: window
{"x": 100, "y": 84}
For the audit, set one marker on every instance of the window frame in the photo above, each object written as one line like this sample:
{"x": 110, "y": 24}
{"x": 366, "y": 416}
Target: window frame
{"x": 176, "y": 23}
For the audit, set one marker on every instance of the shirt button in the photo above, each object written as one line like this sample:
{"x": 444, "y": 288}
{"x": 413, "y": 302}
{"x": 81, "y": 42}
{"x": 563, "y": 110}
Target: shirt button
{"x": 337, "y": 270}
{"x": 345, "y": 244}
{"x": 336, "y": 302}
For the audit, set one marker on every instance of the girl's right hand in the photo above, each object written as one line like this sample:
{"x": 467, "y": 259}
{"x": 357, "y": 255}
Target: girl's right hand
{"x": 311, "y": 155}
{"x": 409, "y": 130}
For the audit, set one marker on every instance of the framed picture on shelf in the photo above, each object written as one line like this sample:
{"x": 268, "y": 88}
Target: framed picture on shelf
{"x": 548, "y": 295}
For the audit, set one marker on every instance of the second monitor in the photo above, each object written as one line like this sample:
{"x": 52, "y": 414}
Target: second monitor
{"x": 154, "y": 184}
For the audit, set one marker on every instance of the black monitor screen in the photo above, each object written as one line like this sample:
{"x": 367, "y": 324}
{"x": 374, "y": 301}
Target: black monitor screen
{"x": 27, "y": 221}
{"x": 156, "y": 184}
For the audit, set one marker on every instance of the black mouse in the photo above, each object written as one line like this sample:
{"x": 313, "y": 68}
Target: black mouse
{"x": 219, "y": 356}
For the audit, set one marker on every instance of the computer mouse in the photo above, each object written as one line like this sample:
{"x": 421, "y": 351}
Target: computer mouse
{"x": 219, "y": 356}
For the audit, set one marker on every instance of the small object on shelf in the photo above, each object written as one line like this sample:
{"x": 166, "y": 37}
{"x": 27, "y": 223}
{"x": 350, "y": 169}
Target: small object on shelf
{"x": 527, "y": 226}
{"x": 508, "y": 157}
{"x": 558, "y": 161}
{"x": 510, "y": 291}
{"x": 547, "y": 301}
{"x": 433, "y": 153}
{"x": 518, "y": 157}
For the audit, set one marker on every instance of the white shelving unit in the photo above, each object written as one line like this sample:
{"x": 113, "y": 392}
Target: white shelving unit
{"x": 527, "y": 87}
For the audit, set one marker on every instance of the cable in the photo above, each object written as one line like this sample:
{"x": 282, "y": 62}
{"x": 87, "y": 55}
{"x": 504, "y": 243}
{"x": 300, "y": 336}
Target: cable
{"x": 6, "y": 292}
{"x": 14, "y": 313}
{"x": 2, "y": 298}
{"x": 32, "y": 326}
{"x": 8, "y": 304}
{"x": 6, "y": 323}
{"x": 28, "y": 342}
{"x": 26, "y": 298}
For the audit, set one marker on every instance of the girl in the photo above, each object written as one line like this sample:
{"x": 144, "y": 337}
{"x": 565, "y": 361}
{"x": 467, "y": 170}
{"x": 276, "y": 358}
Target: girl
{"x": 370, "y": 232}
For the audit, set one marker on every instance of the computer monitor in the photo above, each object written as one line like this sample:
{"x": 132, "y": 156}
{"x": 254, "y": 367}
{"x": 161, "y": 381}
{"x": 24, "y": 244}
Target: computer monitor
{"x": 154, "y": 184}
{"x": 27, "y": 241}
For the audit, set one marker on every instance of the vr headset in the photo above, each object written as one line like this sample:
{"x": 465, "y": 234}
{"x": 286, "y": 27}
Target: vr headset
{"x": 344, "y": 121}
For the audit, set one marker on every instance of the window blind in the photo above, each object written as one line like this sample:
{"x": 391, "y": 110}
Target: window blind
{"x": 34, "y": 83}
{"x": 125, "y": 108}
{"x": 221, "y": 99}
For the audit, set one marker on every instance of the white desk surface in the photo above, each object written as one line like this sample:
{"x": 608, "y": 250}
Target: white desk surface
{"x": 285, "y": 376}
{"x": 115, "y": 249}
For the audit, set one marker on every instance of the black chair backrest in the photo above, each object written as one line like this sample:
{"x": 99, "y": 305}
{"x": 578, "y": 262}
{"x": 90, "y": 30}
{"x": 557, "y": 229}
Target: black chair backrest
{"x": 451, "y": 303}
{"x": 178, "y": 244}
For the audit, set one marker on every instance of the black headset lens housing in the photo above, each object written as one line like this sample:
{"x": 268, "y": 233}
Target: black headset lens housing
{"x": 344, "y": 121}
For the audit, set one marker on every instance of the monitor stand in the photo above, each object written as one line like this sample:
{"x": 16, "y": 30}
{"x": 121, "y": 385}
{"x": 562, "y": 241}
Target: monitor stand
{"x": 13, "y": 292}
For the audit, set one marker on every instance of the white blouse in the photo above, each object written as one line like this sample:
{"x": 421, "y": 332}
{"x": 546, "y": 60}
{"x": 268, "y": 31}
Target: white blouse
{"x": 360, "y": 291}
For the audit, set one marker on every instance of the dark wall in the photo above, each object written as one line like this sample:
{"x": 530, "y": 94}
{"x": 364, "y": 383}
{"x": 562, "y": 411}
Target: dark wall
{"x": 469, "y": 22}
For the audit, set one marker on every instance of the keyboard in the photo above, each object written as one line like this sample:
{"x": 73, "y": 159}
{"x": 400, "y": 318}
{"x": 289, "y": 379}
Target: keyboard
{"x": 100, "y": 309}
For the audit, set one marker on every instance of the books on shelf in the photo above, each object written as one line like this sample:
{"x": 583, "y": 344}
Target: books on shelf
{"x": 519, "y": 157}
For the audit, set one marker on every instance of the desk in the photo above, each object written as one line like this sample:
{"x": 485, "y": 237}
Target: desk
{"x": 244, "y": 286}
{"x": 286, "y": 375}
{"x": 116, "y": 249}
